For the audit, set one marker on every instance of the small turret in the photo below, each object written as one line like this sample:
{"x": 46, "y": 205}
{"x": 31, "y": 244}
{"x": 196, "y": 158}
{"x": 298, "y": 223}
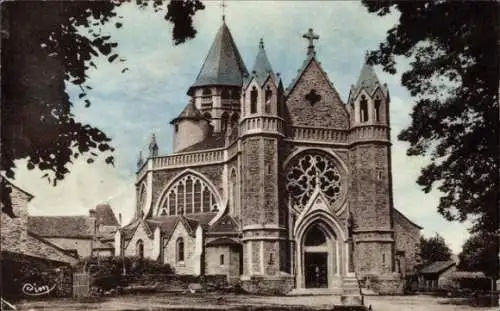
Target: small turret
{"x": 261, "y": 87}
{"x": 140, "y": 160}
{"x": 369, "y": 99}
{"x": 190, "y": 127}
{"x": 153, "y": 147}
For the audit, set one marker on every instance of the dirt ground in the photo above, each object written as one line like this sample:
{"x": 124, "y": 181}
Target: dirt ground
{"x": 162, "y": 301}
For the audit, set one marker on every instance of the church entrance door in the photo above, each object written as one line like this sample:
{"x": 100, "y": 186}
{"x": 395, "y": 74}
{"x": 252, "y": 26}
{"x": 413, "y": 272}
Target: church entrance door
{"x": 316, "y": 270}
{"x": 319, "y": 261}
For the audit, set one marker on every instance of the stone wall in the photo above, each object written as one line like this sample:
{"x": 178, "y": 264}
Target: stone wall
{"x": 140, "y": 234}
{"x": 329, "y": 111}
{"x": 407, "y": 236}
{"x": 170, "y": 251}
{"x": 231, "y": 266}
{"x": 265, "y": 285}
{"x": 15, "y": 238}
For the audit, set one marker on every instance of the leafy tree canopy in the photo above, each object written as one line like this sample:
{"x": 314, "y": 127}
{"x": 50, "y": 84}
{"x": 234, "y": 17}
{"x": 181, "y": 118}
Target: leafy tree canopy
{"x": 479, "y": 253}
{"x": 434, "y": 249}
{"x": 42, "y": 49}
{"x": 454, "y": 79}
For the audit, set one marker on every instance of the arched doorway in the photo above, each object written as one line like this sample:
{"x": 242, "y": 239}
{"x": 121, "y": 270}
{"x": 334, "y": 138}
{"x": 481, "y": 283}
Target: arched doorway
{"x": 319, "y": 261}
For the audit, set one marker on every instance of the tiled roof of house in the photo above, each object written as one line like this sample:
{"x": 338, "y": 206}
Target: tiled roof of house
{"x": 437, "y": 267}
{"x": 68, "y": 252}
{"x": 223, "y": 65}
{"x": 166, "y": 223}
{"x": 61, "y": 226}
{"x": 212, "y": 142}
{"x": 104, "y": 215}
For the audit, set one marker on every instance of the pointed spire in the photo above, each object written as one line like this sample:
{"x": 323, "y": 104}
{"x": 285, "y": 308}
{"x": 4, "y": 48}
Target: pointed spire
{"x": 223, "y": 64}
{"x": 140, "y": 160}
{"x": 262, "y": 67}
{"x": 367, "y": 78}
{"x": 153, "y": 147}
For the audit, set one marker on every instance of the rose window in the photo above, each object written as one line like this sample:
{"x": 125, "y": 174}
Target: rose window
{"x": 309, "y": 171}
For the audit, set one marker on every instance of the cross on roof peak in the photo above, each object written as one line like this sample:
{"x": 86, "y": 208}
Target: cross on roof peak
{"x": 310, "y": 36}
{"x": 223, "y": 5}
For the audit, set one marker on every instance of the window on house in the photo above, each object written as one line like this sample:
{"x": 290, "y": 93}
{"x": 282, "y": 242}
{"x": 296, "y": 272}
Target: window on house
{"x": 180, "y": 250}
{"x": 377, "y": 109}
{"x": 221, "y": 259}
{"x": 176, "y": 128}
{"x": 140, "y": 249}
{"x": 253, "y": 100}
{"x": 234, "y": 119}
{"x": 188, "y": 194}
{"x": 363, "y": 109}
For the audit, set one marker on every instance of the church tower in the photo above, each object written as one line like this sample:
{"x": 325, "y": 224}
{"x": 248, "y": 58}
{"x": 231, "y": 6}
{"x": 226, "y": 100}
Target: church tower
{"x": 370, "y": 199}
{"x": 217, "y": 89}
{"x": 261, "y": 130}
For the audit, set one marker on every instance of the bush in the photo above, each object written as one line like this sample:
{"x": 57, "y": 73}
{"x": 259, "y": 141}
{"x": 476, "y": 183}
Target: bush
{"x": 113, "y": 273}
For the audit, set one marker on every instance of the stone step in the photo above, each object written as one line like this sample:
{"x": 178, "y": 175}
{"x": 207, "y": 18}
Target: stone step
{"x": 316, "y": 292}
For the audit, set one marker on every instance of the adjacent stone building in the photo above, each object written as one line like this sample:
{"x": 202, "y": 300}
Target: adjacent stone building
{"x": 83, "y": 235}
{"x": 278, "y": 189}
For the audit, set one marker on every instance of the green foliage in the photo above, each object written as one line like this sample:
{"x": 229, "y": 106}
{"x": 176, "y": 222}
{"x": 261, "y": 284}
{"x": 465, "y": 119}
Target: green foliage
{"x": 434, "y": 249}
{"x": 478, "y": 253}
{"x": 43, "y": 48}
{"x": 454, "y": 79}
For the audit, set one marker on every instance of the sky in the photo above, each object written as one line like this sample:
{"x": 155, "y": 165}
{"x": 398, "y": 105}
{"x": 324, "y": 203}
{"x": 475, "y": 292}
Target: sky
{"x": 130, "y": 106}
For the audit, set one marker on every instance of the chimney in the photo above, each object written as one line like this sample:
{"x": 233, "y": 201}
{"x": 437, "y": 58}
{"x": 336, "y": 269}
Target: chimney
{"x": 120, "y": 219}
{"x": 92, "y": 213}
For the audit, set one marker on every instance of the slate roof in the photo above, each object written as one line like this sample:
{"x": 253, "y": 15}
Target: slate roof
{"x": 190, "y": 112}
{"x": 222, "y": 242}
{"x": 212, "y": 142}
{"x": 407, "y": 219}
{"x": 61, "y": 226}
{"x": 225, "y": 224}
{"x": 262, "y": 67}
{"x": 105, "y": 216}
{"x": 167, "y": 224}
{"x": 437, "y": 267}
{"x": 128, "y": 231}
{"x": 223, "y": 64}
{"x": 367, "y": 79}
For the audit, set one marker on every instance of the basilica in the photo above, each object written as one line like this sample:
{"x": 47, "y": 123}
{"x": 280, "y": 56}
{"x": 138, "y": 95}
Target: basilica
{"x": 280, "y": 189}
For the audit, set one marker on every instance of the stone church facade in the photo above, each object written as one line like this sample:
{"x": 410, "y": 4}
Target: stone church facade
{"x": 278, "y": 189}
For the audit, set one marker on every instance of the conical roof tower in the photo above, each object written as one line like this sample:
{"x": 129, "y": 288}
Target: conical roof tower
{"x": 223, "y": 65}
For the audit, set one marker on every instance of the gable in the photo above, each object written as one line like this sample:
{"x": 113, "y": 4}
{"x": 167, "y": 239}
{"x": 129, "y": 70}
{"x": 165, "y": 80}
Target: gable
{"x": 329, "y": 111}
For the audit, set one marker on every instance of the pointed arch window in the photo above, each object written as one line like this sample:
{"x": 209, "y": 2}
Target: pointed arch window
{"x": 224, "y": 120}
{"x": 363, "y": 109}
{"x": 207, "y": 92}
{"x": 268, "y": 95}
{"x": 139, "y": 247}
{"x": 180, "y": 250}
{"x": 190, "y": 194}
{"x": 253, "y": 100}
{"x": 377, "y": 109}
